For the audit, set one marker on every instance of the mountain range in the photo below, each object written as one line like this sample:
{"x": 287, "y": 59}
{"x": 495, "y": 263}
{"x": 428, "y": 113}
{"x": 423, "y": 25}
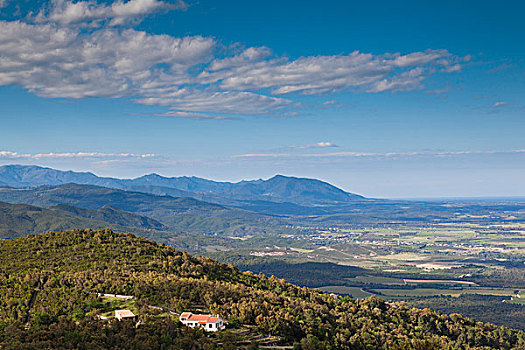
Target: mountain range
{"x": 195, "y": 205}
{"x": 295, "y": 193}
{"x": 126, "y": 209}
{"x": 178, "y": 204}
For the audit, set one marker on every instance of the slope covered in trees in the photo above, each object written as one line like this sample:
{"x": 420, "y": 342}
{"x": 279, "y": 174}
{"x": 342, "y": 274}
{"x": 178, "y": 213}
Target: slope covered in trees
{"x": 49, "y": 285}
{"x": 123, "y": 210}
{"x": 95, "y": 197}
{"x": 17, "y": 220}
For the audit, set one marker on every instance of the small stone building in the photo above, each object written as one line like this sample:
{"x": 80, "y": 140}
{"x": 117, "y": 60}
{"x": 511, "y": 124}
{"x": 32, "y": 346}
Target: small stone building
{"x": 125, "y": 315}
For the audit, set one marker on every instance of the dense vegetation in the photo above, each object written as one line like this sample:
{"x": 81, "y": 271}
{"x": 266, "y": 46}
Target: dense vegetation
{"x": 309, "y": 274}
{"x": 486, "y": 308}
{"x": 48, "y": 286}
{"x": 81, "y": 202}
{"x": 18, "y": 220}
{"x": 95, "y": 197}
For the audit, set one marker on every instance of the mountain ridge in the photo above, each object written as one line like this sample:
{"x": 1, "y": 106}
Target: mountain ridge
{"x": 19, "y": 219}
{"x": 179, "y": 214}
{"x": 94, "y": 197}
{"x": 277, "y": 189}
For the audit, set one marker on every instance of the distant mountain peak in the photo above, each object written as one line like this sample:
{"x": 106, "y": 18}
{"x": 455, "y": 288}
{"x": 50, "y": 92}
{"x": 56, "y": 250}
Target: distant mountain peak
{"x": 279, "y": 188}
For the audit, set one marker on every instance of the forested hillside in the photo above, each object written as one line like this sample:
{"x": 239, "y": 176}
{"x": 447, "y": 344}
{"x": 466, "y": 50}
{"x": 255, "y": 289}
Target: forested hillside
{"x": 178, "y": 214}
{"x": 18, "y": 220}
{"x": 49, "y": 285}
{"x": 95, "y": 197}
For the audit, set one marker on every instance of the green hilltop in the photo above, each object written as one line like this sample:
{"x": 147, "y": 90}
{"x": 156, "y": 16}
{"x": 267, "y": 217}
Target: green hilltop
{"x": 48, "y": 299}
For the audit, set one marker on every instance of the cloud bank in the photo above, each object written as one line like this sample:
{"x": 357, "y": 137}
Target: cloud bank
{"x": 8, "y": 155}
{"x": 322, "y": 144}
{"x": 349, "y": 154}
{"x": 91, "y": 13}
{"x": 86, "y": 49}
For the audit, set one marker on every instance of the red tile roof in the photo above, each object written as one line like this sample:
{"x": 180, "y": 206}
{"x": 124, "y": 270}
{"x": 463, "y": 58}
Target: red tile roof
{"x": 202, "y": 318}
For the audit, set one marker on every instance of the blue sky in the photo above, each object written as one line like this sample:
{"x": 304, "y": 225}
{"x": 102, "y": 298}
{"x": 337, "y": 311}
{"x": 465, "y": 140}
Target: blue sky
{"x": 404, "y": 99}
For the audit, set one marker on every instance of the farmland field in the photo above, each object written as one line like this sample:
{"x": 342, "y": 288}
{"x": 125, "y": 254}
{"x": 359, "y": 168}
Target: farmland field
{"x": 468, "y": 268}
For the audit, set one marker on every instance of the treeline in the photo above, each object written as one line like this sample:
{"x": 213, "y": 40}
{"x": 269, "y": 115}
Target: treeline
{"x": 91, "y": 333}
{"x": 486, "y": 308}
{"x": 48, "y": 286}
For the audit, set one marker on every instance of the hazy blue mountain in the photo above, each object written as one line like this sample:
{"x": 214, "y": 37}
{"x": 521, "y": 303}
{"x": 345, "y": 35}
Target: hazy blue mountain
{"x": 177, "y": 214}
{"x": 299, "y": 190}
{"x": 29, "y": 176}
{"x": 278, "y": 189}
{"x": 95, "y": 197}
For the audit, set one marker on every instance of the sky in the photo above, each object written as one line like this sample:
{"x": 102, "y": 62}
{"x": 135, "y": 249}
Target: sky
{"x": 407, "y": 99}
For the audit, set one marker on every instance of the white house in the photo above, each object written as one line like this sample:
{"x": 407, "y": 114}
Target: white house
{"x": 210, "y": 323}
{"x": 125, "y": 315}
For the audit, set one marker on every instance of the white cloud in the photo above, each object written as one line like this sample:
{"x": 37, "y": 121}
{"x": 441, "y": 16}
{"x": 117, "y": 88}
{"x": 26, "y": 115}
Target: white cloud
{"x": 419, "y": 58}
{"x": 73, "y": 155}
{"x": 93, "y": 13}
{"x": 346, "y": 154}
{"x": 193, "y": 115}
{"x": 193, "y": 77}
{"x": 406, "y": 81}
{"x": 323, "y": 144}
{"x": 496, "y": 107}
{"x": 61, "y": 62}
{"x": 438, "y": 91}
{"x": 321, "y": 74}
{"x": 236, "y": 102}
{"x": 248, "y": 56}
{"x": 454, "y": 68}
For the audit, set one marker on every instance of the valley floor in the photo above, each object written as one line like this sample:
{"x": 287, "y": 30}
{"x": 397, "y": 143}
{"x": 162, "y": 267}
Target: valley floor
{"x": 474, "y": 269}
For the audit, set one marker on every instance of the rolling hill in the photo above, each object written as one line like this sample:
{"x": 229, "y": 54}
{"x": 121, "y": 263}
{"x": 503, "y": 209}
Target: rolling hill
{"x": 106, "y": 205}
{"x": 17, "y": 220}
{"x": 49, "y": 287}
{"x": 95, "y": 197}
